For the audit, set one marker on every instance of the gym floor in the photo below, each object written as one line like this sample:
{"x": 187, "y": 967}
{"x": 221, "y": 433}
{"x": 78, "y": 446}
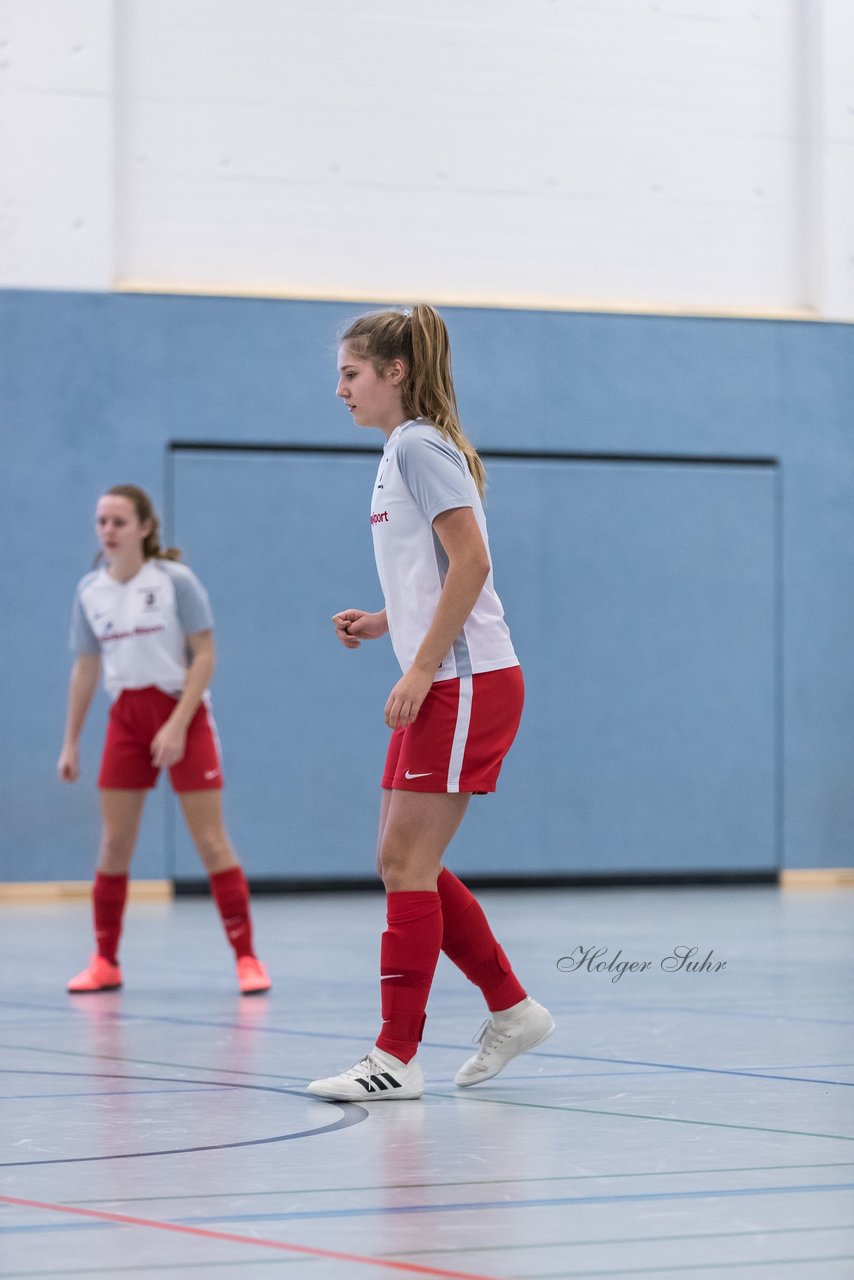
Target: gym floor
{"x": 679, "y": 1123}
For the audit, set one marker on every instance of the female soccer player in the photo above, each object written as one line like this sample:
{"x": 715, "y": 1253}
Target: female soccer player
{"x": 147, "y": 618}
{"x": 455, "y": 711}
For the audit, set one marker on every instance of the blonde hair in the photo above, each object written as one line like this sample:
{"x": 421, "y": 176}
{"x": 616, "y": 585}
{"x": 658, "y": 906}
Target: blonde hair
{"x": 420, "y": 340}
{"x": 151, "y": 548}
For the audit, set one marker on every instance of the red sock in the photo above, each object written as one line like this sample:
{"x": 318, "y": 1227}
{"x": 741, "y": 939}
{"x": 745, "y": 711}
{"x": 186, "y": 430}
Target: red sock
{"x": 468, "y": 940}
{"x": 231, "y": 893}
{"x": 408, "y": 956}
{"x": 108, "y": 903}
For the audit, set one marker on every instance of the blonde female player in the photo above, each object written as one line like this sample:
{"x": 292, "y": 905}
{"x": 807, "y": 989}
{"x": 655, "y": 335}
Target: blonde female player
{"x": 148, "y": 620}
{"x": 455, "y": 711}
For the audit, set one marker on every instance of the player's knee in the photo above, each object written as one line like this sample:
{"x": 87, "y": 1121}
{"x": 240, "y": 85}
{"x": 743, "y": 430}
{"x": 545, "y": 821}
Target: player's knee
{"x": 115, "y": 852}
{"x": 393, "y": 865}
{"x": 214, "y": 849}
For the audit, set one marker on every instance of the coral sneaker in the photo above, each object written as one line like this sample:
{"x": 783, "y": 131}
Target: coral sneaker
{"x": 252, "y": 977}
{"x": 101, "y": 975}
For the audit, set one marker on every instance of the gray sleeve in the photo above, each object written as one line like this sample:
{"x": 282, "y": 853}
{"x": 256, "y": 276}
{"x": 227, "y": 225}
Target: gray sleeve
{"x": 82, "y": 638}
{"x": 434, "y": 472}
{"x": 194, "y": 607}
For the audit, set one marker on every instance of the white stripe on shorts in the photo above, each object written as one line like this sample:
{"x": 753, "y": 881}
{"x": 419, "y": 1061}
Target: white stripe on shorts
{"x": 214, "y": 734}
{"x": 461, "y": 733}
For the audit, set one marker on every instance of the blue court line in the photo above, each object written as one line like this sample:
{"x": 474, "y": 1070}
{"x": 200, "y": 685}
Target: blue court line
{"x": 54, "y": 1226}
{"x": 545, "y": 1203}
{"x": 484, "y": 1097}
{"x": 704, "y": 1011}
{"x": 624, "y": 1273}
{"x": 439, "y": 1185}
{"x": 613, "y": 1240}
{"x": 125, "y": 1059}
{"x": 351, "y": 1113}
{"x": 474, "y": 1206}
{"x": 106, "y": 1093}
{"x": 463, "y": 1048}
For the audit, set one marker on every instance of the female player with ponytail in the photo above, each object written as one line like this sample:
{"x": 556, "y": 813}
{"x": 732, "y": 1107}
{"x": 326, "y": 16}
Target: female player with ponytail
{"x": 454, "y": 712}
{"x": 148, "y": 620}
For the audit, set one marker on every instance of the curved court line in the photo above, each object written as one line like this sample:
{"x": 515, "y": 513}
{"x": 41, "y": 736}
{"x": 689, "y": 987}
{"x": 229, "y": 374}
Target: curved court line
{"x": 353, "y": 1113}
{"x": 412, "y": 1268}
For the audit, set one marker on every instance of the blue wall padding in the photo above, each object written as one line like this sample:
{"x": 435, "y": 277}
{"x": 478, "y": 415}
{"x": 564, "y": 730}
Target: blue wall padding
{"x": 687, "y": 629}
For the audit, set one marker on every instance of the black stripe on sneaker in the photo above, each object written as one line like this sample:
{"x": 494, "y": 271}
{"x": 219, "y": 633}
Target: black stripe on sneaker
{"x": 395, "y": 1084}
{"x": 380, "y": 1082}
{"x": 366, "y": 1084}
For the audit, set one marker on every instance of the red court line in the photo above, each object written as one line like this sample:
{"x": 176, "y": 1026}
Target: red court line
{"x": 412, "y": 1268}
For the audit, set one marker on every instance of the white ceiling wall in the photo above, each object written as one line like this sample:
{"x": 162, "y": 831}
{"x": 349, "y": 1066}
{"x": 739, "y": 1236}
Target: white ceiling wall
{"x": 684, "y": 154}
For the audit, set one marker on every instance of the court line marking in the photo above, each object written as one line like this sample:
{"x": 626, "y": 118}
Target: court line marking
{"x": 475, "y": 1206}
{"x": 129, "y": 1058}
{"x": 123, "y": 1219}
{"x": 546, "y": 1202}
{"x": 467, "y": 1182}
{"x": 633, "y": 1115}
{"x": 107, "y": 1093}
{"x": 611, "y": 1240}
{"x": 581, "y": 1006}
{"x": 120, "y": 1016}
{"x": 508, "y": 1102}
{"x": 511, "y": 1102}
{"x": 352, "y": 1113}
{"x": 181, "y": 1267}
{"x": 694, "y": 1266}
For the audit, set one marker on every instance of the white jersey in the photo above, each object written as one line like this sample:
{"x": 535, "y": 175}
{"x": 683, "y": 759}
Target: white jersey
{"x": 421, "y": 475}
{"x": 140, "y": 627}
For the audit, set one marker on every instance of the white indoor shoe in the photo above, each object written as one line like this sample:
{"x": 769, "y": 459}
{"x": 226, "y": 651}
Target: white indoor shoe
{"x": 376, "y": 1078}
{"x": 504, "y": 1037}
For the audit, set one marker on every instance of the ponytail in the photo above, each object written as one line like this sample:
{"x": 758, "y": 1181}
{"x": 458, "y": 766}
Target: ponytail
{"x": 151, "y": 548}
{"x": 420, "y": 340}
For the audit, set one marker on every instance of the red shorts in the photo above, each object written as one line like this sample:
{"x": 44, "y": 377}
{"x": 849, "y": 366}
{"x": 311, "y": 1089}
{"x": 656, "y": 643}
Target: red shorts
{"x": 463, "y": 732}
{"x": 135, "y": 717}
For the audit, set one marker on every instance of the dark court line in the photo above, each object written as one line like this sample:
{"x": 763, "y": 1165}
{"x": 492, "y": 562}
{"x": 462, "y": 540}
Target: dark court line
{"x": 126, "y": 1059}
{"x": 148, "y": 1266}
{"x": 352, "y": 1113}
{"x": 683, "y": 1268}
{"x": 435, "y": 1185}
{"x": 550, "y": 1202}
{"x": 633, "y": 1115}
{"x": 107, "y": 1093}
{"x": 463, "y": 1048}
{"x": 612, "y": 1240}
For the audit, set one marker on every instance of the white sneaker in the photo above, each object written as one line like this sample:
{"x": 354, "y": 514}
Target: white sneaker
{"x": 503, "y": 1037}
{"x": 376, "y": 1078}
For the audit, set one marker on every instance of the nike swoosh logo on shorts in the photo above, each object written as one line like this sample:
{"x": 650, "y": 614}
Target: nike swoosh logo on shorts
{"x": 211, "y": 773}
{"x": 410, "y": 776}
